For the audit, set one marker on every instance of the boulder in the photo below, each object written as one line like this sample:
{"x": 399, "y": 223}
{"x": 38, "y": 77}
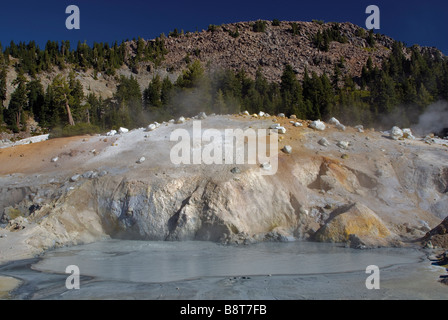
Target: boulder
{"x": 180, "y": 120}
{"x": 266, "y": 166}
{"x": 287, "y": 149}
{"x": 111, "y": 133}
{"x": 281, "y": 115}
{"x": 407, "y": 134}
{"x": 333, "y": 121}
{"x": 123, "y": 130}
{"x": 317, "y": 125}
{"x": 75, "y": 178}
{"x": 343, "y": 144}
{"x": 297, "y": 124}
{"x": 396, "y": 133}
{"x": 323, "y": 142}
{"x": 355, "y": 219}
{"x": 141, "y": 160}
{"x": 151, "y": 127}
{"x": 261, "y": 114}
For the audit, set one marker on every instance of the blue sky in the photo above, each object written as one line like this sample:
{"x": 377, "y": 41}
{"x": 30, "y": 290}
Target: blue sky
{"x": 413, "y": 22}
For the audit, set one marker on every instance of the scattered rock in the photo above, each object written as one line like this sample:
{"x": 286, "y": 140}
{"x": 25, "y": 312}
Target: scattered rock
{"x": 323, "y": 142}
{"x": 111, "y": 133}
{"x": 180, "y": 120}
{"x": 343, "y": 144}
{"x": 407, "y": 134}
{"x": 55, "y": 159}
{"x": 281, "y": 115}
{"x": 90, "y": 175}
{"x": 297, "y": 124}
{"x": 151, "y": 127}
{"x": 102, "y": 173}
{"x": 396, "y": 133}
{"x": 202, "y": 116}
{"x": 317, "y": 125}
{"x": 266, "y": 166}
{"x": 141, "y": 160}
{"x": 123, "y": 130}
{"x": 360, "y": 128}
{"x": 75, "y": 178}
{"x": 246, "y": 113}
{"x": 287, "y": 149}
{"x": 235, "y": 170}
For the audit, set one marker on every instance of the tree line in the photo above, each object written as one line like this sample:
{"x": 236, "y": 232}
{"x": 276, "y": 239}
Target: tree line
{"x": 402, "y": 85}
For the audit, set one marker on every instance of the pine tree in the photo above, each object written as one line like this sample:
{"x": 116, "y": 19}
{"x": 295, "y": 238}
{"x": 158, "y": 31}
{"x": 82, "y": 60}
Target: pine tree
{"x": 291, "y": 92}
{"x": 61, "y": 98}
{"x": 36, "y": 100}
{"x": 14, "y": 115}
{"x": 152, "y": 94}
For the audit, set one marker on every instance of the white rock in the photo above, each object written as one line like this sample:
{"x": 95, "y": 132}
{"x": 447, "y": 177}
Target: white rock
{"x": 171, "y": 121}
{"x": 180, "y": 120}
{"x": 55, "y": 159}
{"x": 111, "y": 133}
{"x": 407, "y": 133}
{"x": 340, "y": 126}
{"x": 396, "y": 133}
{"x": 202, "y": 115}
{"x": 261, "y": 114}
{"x": 297, "y": 124}
{"x": 323, "y": 142}
{"x": 287, "y": 149}
{"x": 141, "y": 160}
{"x": 246, "y": 113}
{"x": 75, "y": 178}
{"x": 266, "y": 166}
{"x": 281, "y": 115}
{"x": 123, "y": 130}
{"x": 343, "y": 144}
{"x": 318, "y": 125}
{"x": 275, "y": 125}
{"x": 151, "y": 127}
{"x": 281, "y": 130}
{"x": 333, "y": 121}
{"x": 360, "y": 128}
{"x": 292, "y": 122}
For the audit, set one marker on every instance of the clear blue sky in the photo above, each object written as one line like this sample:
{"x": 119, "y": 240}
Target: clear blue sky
{"x": 413, "y": 22}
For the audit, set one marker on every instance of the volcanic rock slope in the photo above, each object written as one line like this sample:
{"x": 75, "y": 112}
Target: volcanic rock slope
{"x": 370, "y": 191}
{"x": 267, "y": 51}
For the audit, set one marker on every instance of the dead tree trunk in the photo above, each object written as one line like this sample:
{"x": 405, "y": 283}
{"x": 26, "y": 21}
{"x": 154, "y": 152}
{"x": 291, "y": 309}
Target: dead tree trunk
{"x": 69, "y": 113}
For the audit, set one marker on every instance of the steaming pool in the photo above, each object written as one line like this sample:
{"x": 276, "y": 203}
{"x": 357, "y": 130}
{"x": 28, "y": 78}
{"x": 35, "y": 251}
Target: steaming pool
{"x": 119, "y": 269}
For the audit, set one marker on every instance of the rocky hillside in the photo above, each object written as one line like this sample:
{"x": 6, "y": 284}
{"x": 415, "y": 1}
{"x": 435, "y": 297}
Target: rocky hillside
{"x": 277, "y": 46}
{"x": 237, "y": 46}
